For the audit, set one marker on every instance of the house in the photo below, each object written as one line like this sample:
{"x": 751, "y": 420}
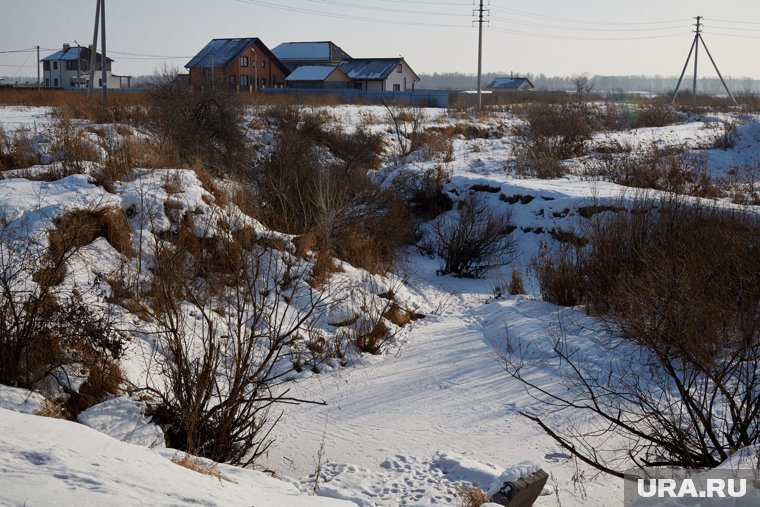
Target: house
{"x": 69, "y": 69}
{"x": 380, "y": 74}
{"x": 242, "y": 64}
{"x": 510, "y": 84}
{"x": 319, "y": 76}
{"x": 298, "y": 54}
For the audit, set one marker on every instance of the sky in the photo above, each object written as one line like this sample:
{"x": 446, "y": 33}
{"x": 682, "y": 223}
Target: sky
{"x": 553, "y": 37}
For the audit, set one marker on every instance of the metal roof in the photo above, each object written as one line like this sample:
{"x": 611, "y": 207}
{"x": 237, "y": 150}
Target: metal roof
{"x": 509, "y": 83}
{"x": 303, "y": 51}
{"x": 369, "y": 69}
{"x": 71, "y": 54}
{"x": 221, "y": 52}
{"x": 312, "y": 73}
{"x": 306, "y": 51}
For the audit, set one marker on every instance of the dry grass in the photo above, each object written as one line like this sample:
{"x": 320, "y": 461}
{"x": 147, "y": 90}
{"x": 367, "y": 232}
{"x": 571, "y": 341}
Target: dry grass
{"x": 81, "y": 227}
{"x": 199, "y": 465}
{"x": 54, "y": 410}
{"x": 470, "y": 496}
{"x": 516, "y": 285}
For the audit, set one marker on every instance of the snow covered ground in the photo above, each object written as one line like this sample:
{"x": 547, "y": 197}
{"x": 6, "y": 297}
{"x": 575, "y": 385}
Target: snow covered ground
{"x": 405, "y": 428}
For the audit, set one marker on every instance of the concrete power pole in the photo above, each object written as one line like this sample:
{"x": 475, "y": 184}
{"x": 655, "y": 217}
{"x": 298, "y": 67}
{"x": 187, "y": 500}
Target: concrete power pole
{"x": 94, "y": 51}
{"x": 480, "y": 54}
{"x": 695, "y": 49}
{"x": 104, "y": 66}
{"x": 38, "y": 69}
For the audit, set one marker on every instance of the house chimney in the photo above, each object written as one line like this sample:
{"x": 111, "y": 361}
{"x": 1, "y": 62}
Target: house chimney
{"x": 66, "y": 47}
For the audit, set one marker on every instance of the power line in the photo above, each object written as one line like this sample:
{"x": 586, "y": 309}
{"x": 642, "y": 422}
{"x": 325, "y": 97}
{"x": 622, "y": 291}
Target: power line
{"x": 346, "y": 16}
{"x": 385, "y": 9}
{"x": 571, "y": 37}
{"x": 585, "y": 29}
{"x": 581, "y": 21}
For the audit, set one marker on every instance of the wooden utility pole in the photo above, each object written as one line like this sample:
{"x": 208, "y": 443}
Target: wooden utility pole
{"x": 695, "y": 49}
{"x": 38, "y": 69}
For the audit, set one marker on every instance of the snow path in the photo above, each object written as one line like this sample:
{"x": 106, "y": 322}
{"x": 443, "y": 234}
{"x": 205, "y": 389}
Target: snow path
{"x": 444, "y": 392}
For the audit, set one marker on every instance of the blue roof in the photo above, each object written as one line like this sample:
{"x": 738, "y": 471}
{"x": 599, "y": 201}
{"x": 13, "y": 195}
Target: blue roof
{"x": 70, "y": 54}
{"x": 370, "y": 69}
{"x": 221, "y": 52}
{"x": 312, "y": 73}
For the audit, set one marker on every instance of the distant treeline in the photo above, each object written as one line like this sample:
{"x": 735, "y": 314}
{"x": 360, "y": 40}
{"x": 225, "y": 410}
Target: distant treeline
{"x": 651, "y": 84}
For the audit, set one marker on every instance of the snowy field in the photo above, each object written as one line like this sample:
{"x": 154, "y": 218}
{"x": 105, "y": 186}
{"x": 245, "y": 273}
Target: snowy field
{"x": 408, "y": 427}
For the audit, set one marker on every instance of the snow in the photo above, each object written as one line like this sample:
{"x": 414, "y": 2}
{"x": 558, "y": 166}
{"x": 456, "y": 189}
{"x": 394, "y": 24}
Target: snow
{"x": 47, "y": 461}
{"x": 123, "y": 419}
{"x": 404, "y": 428}
{"x": 20, "y": 400}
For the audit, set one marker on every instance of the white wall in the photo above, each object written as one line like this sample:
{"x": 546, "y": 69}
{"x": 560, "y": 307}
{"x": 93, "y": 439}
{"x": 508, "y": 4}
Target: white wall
{"x": 405, "y": 79}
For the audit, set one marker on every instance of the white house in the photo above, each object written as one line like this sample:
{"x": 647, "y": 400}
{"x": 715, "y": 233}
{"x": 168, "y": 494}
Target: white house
{"x": 380, "y": 74}
{"x": 69, "y": 69}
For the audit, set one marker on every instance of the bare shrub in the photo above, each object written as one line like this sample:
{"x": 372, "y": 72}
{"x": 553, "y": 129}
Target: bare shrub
{"x": 42, "y": 329}
{"x": 207, "y": 126}
{"x": 17, "y": 151}
{"x": 516, "y": 285}
{"x": 306, "y": 189}
{"x": 225, "y": 327}
{"x": 71, "y": 147}
{"x": 476, "y": 241}
{"x": 555, "y": 132}
{"x": 681, "y": 281}
{"x": 424, "y": 192}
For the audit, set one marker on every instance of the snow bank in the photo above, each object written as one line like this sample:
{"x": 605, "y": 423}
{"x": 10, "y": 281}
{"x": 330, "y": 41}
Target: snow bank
{"x": 47, "y": 461}
{"x": 20, "y": 400}
{"x": 123, "y": 419}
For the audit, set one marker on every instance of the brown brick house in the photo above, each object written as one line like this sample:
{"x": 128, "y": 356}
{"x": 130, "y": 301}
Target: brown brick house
{"x": 241, "y": 64}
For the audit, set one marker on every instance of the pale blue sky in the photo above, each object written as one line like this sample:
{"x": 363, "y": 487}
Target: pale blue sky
{"x": 555, "y": 37}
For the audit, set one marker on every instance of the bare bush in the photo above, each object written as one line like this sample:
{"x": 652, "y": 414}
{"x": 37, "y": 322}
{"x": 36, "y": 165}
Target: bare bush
{"x": 315, "y": 182}
{"x": 225, "y": 323}
{"x": 476, "y": 241}
{"x": 17, "y": 151}
{"x": 555, "y": 132}
{"x": 44, "y": 330}
{"x": 681, "y": 281}
{"x": 206, "y": 126}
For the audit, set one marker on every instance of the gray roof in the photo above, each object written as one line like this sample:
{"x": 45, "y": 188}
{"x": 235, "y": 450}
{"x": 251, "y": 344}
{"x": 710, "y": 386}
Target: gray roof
{"x": 71, "y": 54}
{"x": 369, "y": 69}
{"x": 509, "y": 83}
{"x": 305, "y": 51}
{"x": 222, "y": 52}
{"x": 312, "y": 73}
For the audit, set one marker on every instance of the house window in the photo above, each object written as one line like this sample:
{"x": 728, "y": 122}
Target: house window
{"x": 55, "y": 65}
{"x": 397, "y": 88}
{"x": 55, "y": 82}
{"x": 206, "y": 75}
{"x": 243, "y": 80}
{"x": 244, "y": 61}
{"x": 47, "y": 81}
{"x": 399, "y": 68}
{"x": 46, "y": 66}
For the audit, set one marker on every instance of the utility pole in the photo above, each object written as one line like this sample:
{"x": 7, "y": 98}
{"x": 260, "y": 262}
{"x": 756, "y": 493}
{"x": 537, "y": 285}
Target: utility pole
{"x": 695, "y": 49}
{"x": 38, "y": 69}
{"x": 94, "y": 51}
{"x": 696, "y": 60}
{"x": 104, "y": 66}
{"x": 480, "y": 22}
